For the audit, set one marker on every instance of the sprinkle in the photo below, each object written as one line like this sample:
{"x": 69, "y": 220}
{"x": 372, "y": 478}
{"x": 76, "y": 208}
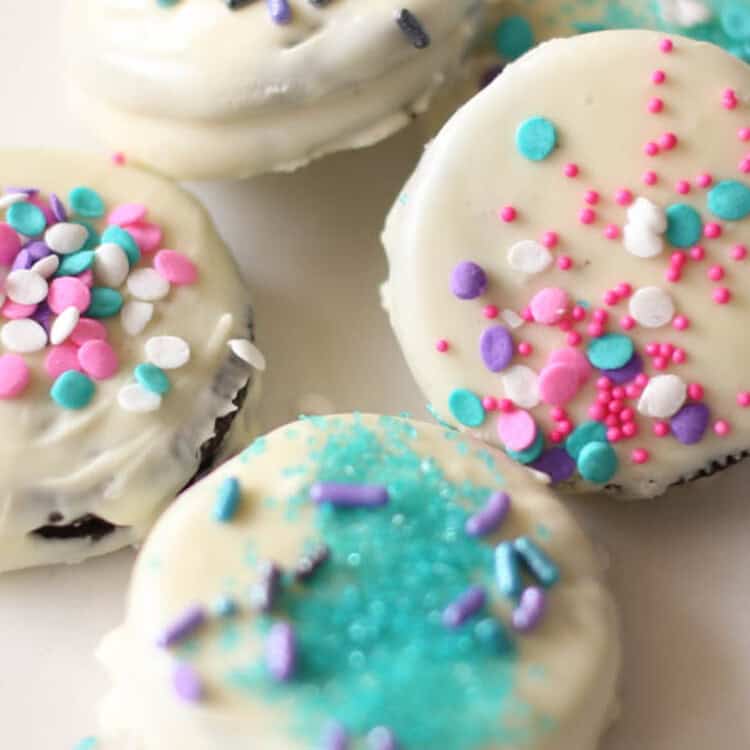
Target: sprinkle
{"x": 381, "y": 738}
{"x": 65, "y": 238}
{"x": 517, "y": 429}
{"x": 248, "y": 352}
{"x": 666, "y": 45}
{"x": 743, "y": 399}
{"x": 715, "y": 273}
{"x": 123, "y": 238}
{"x": 508, "y": 213}
{"x": 127, "y": 213}
{"x": 712, "y": 230}
{"x": 167, "y": 352}
{"x": 549, "y": 305}
{"x": 187, "y": 683}
{"x": 739, "y": 252}
{"x": 10, "y": 198}
{"x": 182, "y": 627}
{"x": 280, "y": 652}
{"x": 349, "y": 495}
{"x": 464, "y": 607}
{"x": 23, "y": 336}
{"x": 490, "y": 517}
{"x": 663, "y": 396}
{"x": 466, "y": 407}
{"x": 264, "y": 593}
{"x": 521, "y": 385}
{"x": 335, "y": 737}
{"x": 689, "y": 424}
{"x": 722, "y": 427}
{"x": 147, "y": 236}
{"x": 228, "y": 497}
{"x": 14, "y": 376}
{"x": 528, "y": 256}
{"x": 508, "y": 570}
{"x": 111, "y": 265}
{"x": 133, "y": 397}
{"x": 610, "y": 351}
{"x": 536, "y": 138}
{"x": 310, "y": 562}
{"x": 530, "y": 610}
{"x": 26, "y": 218}
{"x": 412, "y": 29}
{"x": 176, "y": 268}
{"x": 148, "y": 285}
{"x": 135, "y": 316}
{"x": 496, "y": 348}
{"x": 729, "y": 200}
{"x": 651, "y": 307}
{"x": 86, "y": 202}
{"x": 224, "y": 607}
{"x": 587, "y": 216}
{"x": 468, "y": 280}
{"x": 650, "y": 177}
{"x": 60, "y": 359}
{"x": 75, "y": 264}
{"x": 655, "y": 105}
{"x": 105, "y": 302}
{"x": 571, "y": 170}
{"x": 721, "y": 295}
{"x": 442, "y": 345}
{"x": 25, "y": 287}
{"x": 704, "y": 180}
{"x": 64, "y": 325}
{"x": 639, "y": 456}
{"x": 597, "y": 461}
{"x": 152, "y": 378}
{"x": 72, "y": 390}
{"x": 538, "y": 562}
{"x": 10, "y": 244}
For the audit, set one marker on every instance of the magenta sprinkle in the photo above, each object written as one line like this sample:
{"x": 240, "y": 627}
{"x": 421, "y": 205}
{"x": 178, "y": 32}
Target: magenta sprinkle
{"x": 530, "y": 610}
{"x": 187, "y": 683}
{"x": 281, "y": 652}
{"x": 460, "y": 610}
{"x": 349, "y": 495}
{"x": 264, "y": 593}
{"x": 182, "y": 627}
{"x": 491, "y": 516}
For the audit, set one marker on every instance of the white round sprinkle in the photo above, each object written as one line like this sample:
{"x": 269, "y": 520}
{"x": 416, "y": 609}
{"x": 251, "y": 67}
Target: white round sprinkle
{"x": 46, "y": 266}
{"x": 148, "y": 285}
{"x": 167, "y": 352}
{"x": 137, "y": 399}
{"x": 685, "y": 13}
{"x": 65, "y": 238}
{"x": 135, "y": 316}
{"x": 512, "y": 318}
{"x": 663, "y": 397}
{"x": 647, "y": 214}
{"x": 521, "y": 385}
{"x": 651, "y": 307}
{"x": 111, "y": 265}
{"x": 11, "y": 198}
{"x": 250, "y": 353}
{"x": 26, "y": 287}
{"x": 528, "y": 256}
{"x": 64, "y": 325}
{"x": 641, "y": 241}
{"x": 23, "y": 336}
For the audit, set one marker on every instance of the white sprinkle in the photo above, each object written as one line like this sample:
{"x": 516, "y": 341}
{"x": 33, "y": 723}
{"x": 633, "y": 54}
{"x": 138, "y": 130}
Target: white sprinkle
{"x": 685, "y": 13}
{"x": 64, "y": 325}
{"x": 651, "y": 307}
{"x": 26, "y": 287}
{"x": 111, "y": 265}
{"x": 167, "y": 352}
{"x": 148, "y": 285}
{"x": 641, "y": 242}
{"x": 250, "y": 353}
{"x": 647, "y": 214}
{"x": 135, "y": 398}
{"x": 11, "y": 198}
{"x": 135, "y": 316}
{"x": 46, "y": 266}
{"x": 529, "y": 256}
{"x": 663, "y": 396}
{"x": 66, "y": 238}
{"x": 521, "y": 385}
{"x": 512, "y": 318}
{"x": 23, "y": 336}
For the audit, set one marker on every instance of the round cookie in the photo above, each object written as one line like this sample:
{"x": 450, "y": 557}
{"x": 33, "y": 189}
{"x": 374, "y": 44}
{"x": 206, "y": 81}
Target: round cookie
{"x": 207, "y": 89}
{"x": 313, "y": 592}
{"x": 567, "y": 263}
{"x": 125, "y": 352}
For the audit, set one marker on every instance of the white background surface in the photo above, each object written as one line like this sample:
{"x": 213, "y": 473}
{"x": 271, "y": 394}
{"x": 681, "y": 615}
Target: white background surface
{"x": 309, "y": 246}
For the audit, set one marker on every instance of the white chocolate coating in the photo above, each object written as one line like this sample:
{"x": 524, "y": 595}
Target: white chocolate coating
{"x": 118, "y": 465}
{"x": 595, "y": 88}
{"x": 567, "y": 668}
{"x": 199, "y": 91}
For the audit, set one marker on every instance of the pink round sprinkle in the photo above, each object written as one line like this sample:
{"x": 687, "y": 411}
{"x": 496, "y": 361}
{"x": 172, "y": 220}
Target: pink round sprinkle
{"x": 712, "y": 230}
{"x": 627, "y": 323}
{"x": 147, "y": 236}
{"x": 118, "y": 158}
{"x": 88, "y": 329}
{"x": 549, "y": 305}
{"x": 506, "y": 405}
{"x": 641, "y": 379}
{"x": 68, "y": 291}
{"x": 565, "y": 263}
{"x": 680, "y": 323}
{"x": 595, "y": 329}
{"x": 679, "y": 356}
{"x": 574, "y": 359}
{"x": 16, "y": 311}
{"x": 729, "y": 102}
{"x": 632, "y": 390}
{"x": 722, "y": 427}
{"x": 666, "y": 45}
{"x": 629, "y": 429}
{"x": 661, "y": 429}
{"x": 127, "y": 213}
{"x": 639, "y": 456}
{"x": 614, "y": 434}
{"x": 558, "y": 383}
{"x": 558, "y": 413}
{"x": 668, "y": 141}
{"x": 624, "y": 289}
{"x": 615, "y": 406}
{"x": 591, "y": 197}
{"x": 721, "y": 295}
{"x": 490, "y": 311}
{"x": 652, "y": 348}
{"x": 508, "y": 213}
{"x": 441, "y": 345}
{"x": 603, "y": 398}
{"x": 597, "y": 411}
{"x": 624, "y": 197}
{"x": 651, "y": 149}
{"x": 578, "y": 313}
{"x": 612, "y": 420}
{"x": 660, "y": 363}
{"x": 516, "y": 429}
{"x": 573, "y": 338}
{"x": 682, "y": 187}
{"x": 655, "y": 105}
{"x": 527, "y": 315}
{"x": 673, "y": 275}
{"x": 98, "y": 359}
{"x": 739, "y": 252}
{"x": 571, "y": 170}
{"x": 565, "y": 427}
{"x": 525, "y": 348}
{"x": 610, "y": 298}
{"x": 603, "y": 383}
{"x": 565, "y": 324}
{"x": 650, "y": 178}
{"x": 550, "y": 239}
{"x": 744, "y": 134}
{"x": 556, "y": 436}
{"x": 14, "y": 376}
{"x": 175, "y": 267}
{"x": 658, "y": 77}
{"x": 601, "y": 316}
{"x": 61, "y": 358}
{"x": 10, "y": 244}
{"x": 677, "y": 258}
{"x": 87, "y": 277}
{"x": 587, "y": 216}
{"x": 612, "y": 231}
{"x": 489, "y": 403}
{"x": 627, "y": 414}
{"x": 704, "y": 180}
{"x": 743, "y": 398}
{"x": 695, "y": 391}
{"x": 744, "y": 165}
{"x": 697, "y": 252}
{"x": 715, "y": 273}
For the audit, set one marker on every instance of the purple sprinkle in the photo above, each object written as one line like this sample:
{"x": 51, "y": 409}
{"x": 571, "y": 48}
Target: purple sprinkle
{"x": 690, "y": 423}
{"x": 58, "y": 209}
{"x": 43, "y": 315}
{"x": 530, "y": 610}
{"x": 349, "y": 495}
{"x": 280, "y": 10}
{"x": 335, "y": 737}
{"x": 30, "y": 191}
{"x": 556, "y": 463}
{"x": 310, "y": 562}
{"x": 468, "y": 280}
{"x": 460, "y": 610}
{"x": 183, "y": 626}
{"x": 496, "y": 348}
{"x": 264, "y": 593}
{"x": 491, "y": 516}
{"x": 281, "y": 652}
{"x": 37, "y": 250}
{"x": 187, "y": 683}
{"x": 626, "y": 373}
{"x": 23, "y": 261}
{"x": 381, "y": 738}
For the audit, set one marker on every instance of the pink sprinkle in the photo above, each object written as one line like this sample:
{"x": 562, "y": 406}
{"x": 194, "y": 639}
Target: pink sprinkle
{"x": 624, "y": 197}
{"x": 175, "y": 267}
{"x": 704, "y": 180}
{"x": 640, "y": 455}
{"x": 614, "y": 434}
{"x": 673, "y": 275}
{"x": 627, "y": 323}
{"x": 661, "y": 429}
{"x": 61, "y": 358}
{"x": 612, "y": 420}
{"x": 715, "y": 273}
{"x": 571, "y": 170}
{"x": 655, "y": 105}
{"x": 601, "y": 316}
{"x": 682, "y": 187}
{"x": 712, "y": 230}
{"x": 744, "y": 165}
{"x": 68, "y": 291}
{"x": 660, "y": 363}
{"x": 722, "y": 427}
{"x": 595, "y": 329}
{"x": 629, "y": 429}
{"x": 118, "y": 158}
{"x": 729, "y": 99}
{"x": 744, "y": 134}
{"x": 550, "y": 239}
{"x": 615, "y": 406}
{"x": 650, "y": 178}
{"x": 442, "y": 345}
{"x": 98, "y": 359}
{"x": 558, "y": 413}
{"x": 679, "y": 356}
{"x": 610, "y": 298}
{"x": 739, "y": 252}
{"x": 680, "y": 323}
{"x": 527, "y": 315}
{"x": 603, "y": 398}
{"x": 549, "y": 305}
{"x": 651, "y": 149}
{"x": 597, "y": 411}
{"x": 506, "y": 405}
{"x": 658, "y": 77}
{"x": 556, "y": 436}
{"x": 641, "y": 379}
{"x": 127, "y": 213}
{"x": 565, "y": 426}
{"x": 632, "y": 390}
{"x": 666, "y": 45}
{"x": 695, "y": 391}
{"x": 652, "y": 348}
{"x": 591, "y": 197}
{"x": 587, "y": 216}
{"x": 743, "y": 398}
{"x": 14, "y": 376}
{"x": 517, "y": 429}
{"x": 147, "y": 236}
{"x": 666, "y": 349}
{"x": 558, "y": 383}
{"x": 721, "y": 295}
{"x": 525, "y": 348}
{"x": 10, "y": 244}
{"x": 88, "y": 329}
{"x": 578, "y": 313}
{"x": 618, "y": 392}
{"x": 490, "y": 311}
{"x": 16, "y": 311}
{"x": 697, "y": 252}
{"x": 668, "y": 141}
{"x": 677, "y": 258}
{"x": 603, "y": 383}
{"x": 627, "y": 414}
{"x": 612, "y": 231}
{"x": 573, "y": 338}
{"x": 489, "y": 403}
{"x": 87, "y": 277}
{"x": 508, "y": 213}
{"x": 565, "y": 263}
{"x": 566, "y": 324}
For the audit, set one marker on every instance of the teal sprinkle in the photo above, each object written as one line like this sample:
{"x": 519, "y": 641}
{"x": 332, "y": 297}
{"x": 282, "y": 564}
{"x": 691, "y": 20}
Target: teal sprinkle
{"x": 167, "y": 3}
{"x": 684, "y": 225}
{"x": 224, "y": 606}
{"x": 466, "y": 407}
{"x": 87, "y": 743}
{"x": 531, "y": 453}
{"x": 513, "y": 37}
{"x": 92, "y": 238}
{"x": 371, "y": 643}
{"x": 542, "y": 532}
{"x": 75, "y": 263}
{"x": 537, "y": 561}
{"x": 86, "y": 202}
{"x": 586, "y": 432}
{"x": 124, "y": 239}
{"x": 433, "y": 412}
{"x": 536, "y": 138}
{"x": 256, "y": 448}
{"x": 105, "y": 302}
{"x": 73, "y": 390}
{"x": 597, "y": 462}
{"x": 610, "y": 351}
{"x": 508, "y": 570}
{"x": 152, "y": 378}
{"x": 228, "y": 498}
{"x": 586, "y": 28}
{"x": 735, "y": 21}
{"x": 26, "y": 218}
{"x": 729, "y": 200}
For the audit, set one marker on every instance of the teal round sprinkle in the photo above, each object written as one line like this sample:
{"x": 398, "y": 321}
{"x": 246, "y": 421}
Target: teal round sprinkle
{"x": 228, "y": 498}
{"x": 72, "y": 265}
{"x": 513, "y": 37}
{"x": 72, "y": 390}
{"x": 684, "y": 225}
{"x": 92, "y": 239}
{"x": 466, "y": 407}
{"x": 735, "y": 20}
{"x": 105, "y": 302}
{"x": 86, "y": 202}
{"x": 152, "y": 378}
{"x": 87, "y": 743}
{"x": 26, "y": 218}
{"x": 531, "y": 453}
{"x": 729, "y": 200}
{"x": 124, "y": 239}
{"x": 610, "y": 351}
{"x": 585, "y": 433}
{"x": 536, "y": 138}
{"x": 597, "y": 462}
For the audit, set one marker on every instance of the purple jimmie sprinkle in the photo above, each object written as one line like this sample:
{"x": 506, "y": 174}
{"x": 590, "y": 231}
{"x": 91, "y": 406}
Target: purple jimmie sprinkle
{"x": 30, "y": 191}
{"x": 281, "y": 652}
{"x": 187, "y": 683}
{"x": 280, "y": 10}
{"x": 310, "y": 562}
{"x": 335, "y": 737}
{"x": 530, "y": 610}
{"x": 491, "y": 516}
{"x": 382, "y": 738}
{"x": 183, "y": 626}
{"x": 264, "y": 593}
{"x": 461, "y": 609}
{"x": 349, "y": 495}
{"x": 58, "y": 209}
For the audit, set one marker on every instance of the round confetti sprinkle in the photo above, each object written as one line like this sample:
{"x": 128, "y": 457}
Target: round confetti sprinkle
{"x": 175, "y": 267}
{"x": 86, "y": 202}
{"x": 626, "y": 373}
{"x": 521, "y": 385}
{"x": 88, "y": 329}
{"x": 64, "y": 325}
{"x": 690, "y": 423}
{"x": 111, "y": 265}
{"x": 135, "y": 316}
{"x": 76, "y": 263}
{"x": 735, "y": 20}
{"x": 10, "y": 244}
{"x": 148, "y": 285}
{"x": 152, "y": 378}
{"x": 68, "y": 291}
{"x": 14, "y": 376}
{"x": 528, "y": 256}
{"x": 25, "y": 287}
{"x": 730, "y": 200}
{"x": 549, "y": 305}
{"x": 147, "y": 236}
{"x": 684, "y": 225}
{"x": 556, "y": 464}
{"x": 23, "y": 336}
{"x": 513, "y": 37}
{"x": 572, "y": 358}
{"x": 66, "y": 238}
{"x": 651, "y": 307}
{"x": 105, "y": 302}
{"x": 127, "y": 213}
{"x": 530, "y": 454}
{"x": 124, "y": 239}
{"x": 536, "y": 138}
{"x": 137, "y": 399}
{"x": 26, "y": 218}
{"x": 466, "y": 407}
{"x": 98, "y": 359}
{"x": 585, "y": 433}
{"x": 663, "y": 396}
{"x": 610, "y": 351}
{"x": 187, "y": 683}
{"x": 60, "y": 359}
{"x": 167, "y": 352}
{"x": 73, "y": 390}
{"x": 597, "y": 462}
{"x": 496, "y": 348}
{"x": 516, "y": 429}
{"x": 468, "y": 280}
{"x": 558, "y": 384}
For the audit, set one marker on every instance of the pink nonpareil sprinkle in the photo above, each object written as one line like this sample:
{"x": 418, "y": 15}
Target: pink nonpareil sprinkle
{"x": 490, "y": 311}
{"x": 650, "y": 178}
{"x": 565, "y": 263}
{"x": 640, "y": 456}
{"x": 712, "y": 230}
{"x": 721, "y": 295}
{"x": 704, "y": 180}
{"x": 623, "y": 197}
{"x": 550, "y": 239}
{"x": 658, "y": 77}
{"x": 508, "y": 213}
{"x": 739, "y": 252}
{"x": 661, "y": 429}
{"x": 571, "y": 170}
{"x": 442, "y": 345}
{"x": 680, "y": 323}
{"x": 722, "y": 427}
{"x": 655, "y": 105}
{"x": 695, "y": 391}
